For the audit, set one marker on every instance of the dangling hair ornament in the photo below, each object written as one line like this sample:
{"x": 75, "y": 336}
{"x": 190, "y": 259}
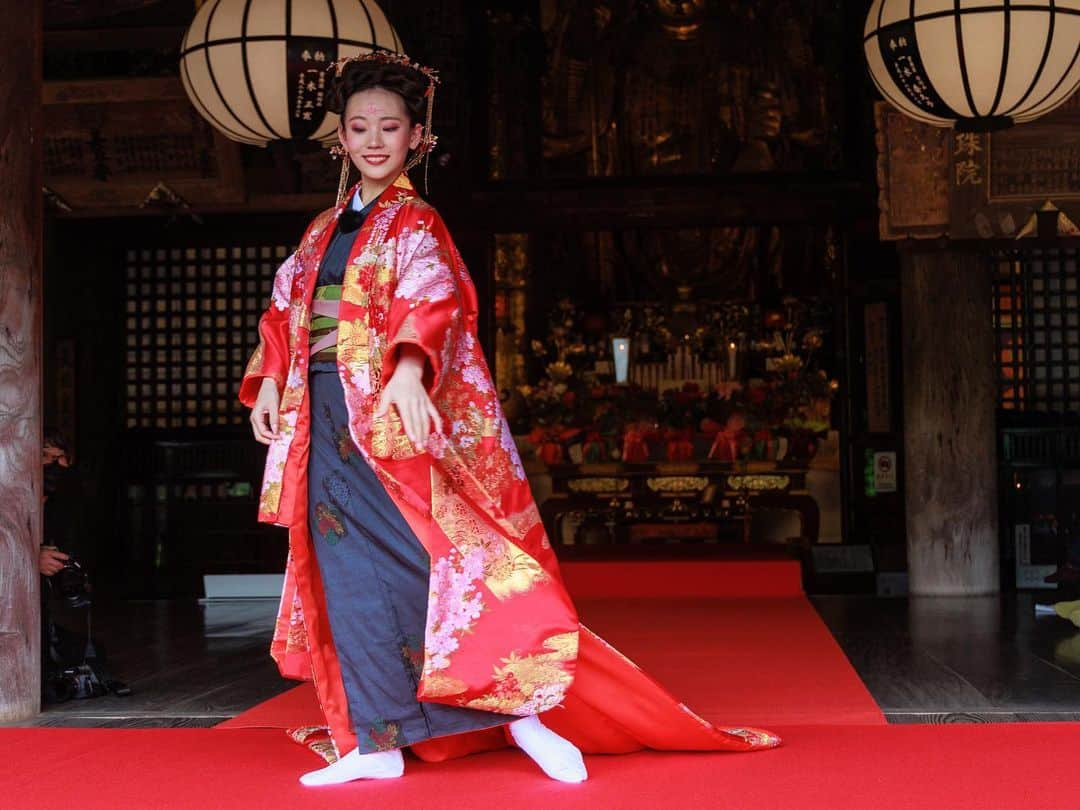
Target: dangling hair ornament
{"x": 427, "y": 140}
{"x": 338, "y": 151}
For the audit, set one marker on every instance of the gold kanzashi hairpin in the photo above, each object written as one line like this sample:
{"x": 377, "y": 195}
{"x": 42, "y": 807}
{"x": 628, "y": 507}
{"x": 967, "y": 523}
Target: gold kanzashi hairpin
{"x": 388, "y": 58}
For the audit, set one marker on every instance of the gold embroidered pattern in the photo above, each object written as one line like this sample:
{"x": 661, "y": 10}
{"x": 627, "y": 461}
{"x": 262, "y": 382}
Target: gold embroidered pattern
{"x": 292, "y": 397}
{"x": 270, "y": 498}
{"x": 299, "y": 320}
{"x": 524, "y": 520}
{"x": 528, "y": 684}
{"x": 255, "y": 364}
{"x": 297, "y": 637}
{"x": 352, "y": 290}
{"x": 388, "y": 437}
{"x": 353, "y": 343}
{"x": 438, "y": 684}
{"x": 508, "y": 571}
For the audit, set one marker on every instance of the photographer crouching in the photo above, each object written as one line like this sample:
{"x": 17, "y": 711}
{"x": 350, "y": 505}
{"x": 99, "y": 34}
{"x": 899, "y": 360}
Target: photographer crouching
{"x": 73, "y": 663}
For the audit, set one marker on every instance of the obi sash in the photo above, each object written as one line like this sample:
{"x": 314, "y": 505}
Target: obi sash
{"x": 324, "y": 322}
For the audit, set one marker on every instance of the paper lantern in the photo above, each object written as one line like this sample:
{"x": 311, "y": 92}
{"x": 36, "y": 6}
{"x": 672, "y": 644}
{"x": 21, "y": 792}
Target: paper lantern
{"x": 980, "y": 65}
{"x": 257, "y": 69}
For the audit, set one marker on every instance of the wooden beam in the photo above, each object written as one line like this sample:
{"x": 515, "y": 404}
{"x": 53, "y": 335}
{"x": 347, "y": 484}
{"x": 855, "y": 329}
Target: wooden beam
{"x": 96, "y": 40}
{"x": 111, "y": 91}
{"x": 604, "y": 205}
{"x": 614, "y": 204}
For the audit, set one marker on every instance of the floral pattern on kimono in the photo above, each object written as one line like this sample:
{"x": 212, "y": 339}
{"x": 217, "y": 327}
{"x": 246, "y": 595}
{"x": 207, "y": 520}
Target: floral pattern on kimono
{"x": 502, "y": 633}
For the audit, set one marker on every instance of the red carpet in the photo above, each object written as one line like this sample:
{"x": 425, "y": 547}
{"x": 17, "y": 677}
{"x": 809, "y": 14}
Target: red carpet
{"x": 750, "y": 660}
{"x": 962, "y": 767}
{"x": 756, "y": 662}
{"x": 682, "y": 579}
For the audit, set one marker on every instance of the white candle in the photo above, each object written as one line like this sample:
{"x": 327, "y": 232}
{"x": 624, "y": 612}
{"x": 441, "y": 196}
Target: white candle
{"x": 621, "y": 355}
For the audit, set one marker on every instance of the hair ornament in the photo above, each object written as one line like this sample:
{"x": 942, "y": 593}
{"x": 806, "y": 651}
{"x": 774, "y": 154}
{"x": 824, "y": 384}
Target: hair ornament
{"x": 427, "y": 140}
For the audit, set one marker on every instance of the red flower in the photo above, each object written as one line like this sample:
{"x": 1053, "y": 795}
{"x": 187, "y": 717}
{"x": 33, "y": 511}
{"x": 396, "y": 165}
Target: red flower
{"x": 507, "y": 687}
{"x": 567, "y": 433}
{"x": 551, "y": 452}
{"x": 384, "y": 735}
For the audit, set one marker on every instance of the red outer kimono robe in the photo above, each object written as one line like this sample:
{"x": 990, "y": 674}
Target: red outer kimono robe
{"x": 502, "y": 634}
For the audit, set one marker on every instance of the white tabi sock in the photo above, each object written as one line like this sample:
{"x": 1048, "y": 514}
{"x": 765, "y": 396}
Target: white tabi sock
{"x": 354, "y": 765}
{"x": 557, "y": 757}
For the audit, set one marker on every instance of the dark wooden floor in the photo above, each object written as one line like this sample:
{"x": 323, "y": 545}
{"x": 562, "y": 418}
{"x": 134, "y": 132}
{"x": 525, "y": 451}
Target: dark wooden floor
{"x": 924, "y": 661}
{"x": 187, "y": 664}
{"x": 960, "y": 660}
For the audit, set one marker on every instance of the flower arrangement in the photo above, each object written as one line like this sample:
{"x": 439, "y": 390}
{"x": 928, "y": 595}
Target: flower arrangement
{"x": 787, "y": 394}
{"x": 720, "y": 326}
{"x": 550, "y": 403}
{"x": 573, "y": 342}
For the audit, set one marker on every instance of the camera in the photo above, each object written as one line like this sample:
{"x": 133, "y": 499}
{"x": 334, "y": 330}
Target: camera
{"x": 73, "y": 584}
{"x": 74, "y": 683}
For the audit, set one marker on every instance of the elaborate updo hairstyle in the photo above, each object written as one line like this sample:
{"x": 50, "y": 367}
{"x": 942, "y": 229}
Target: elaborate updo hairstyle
{"x": 408, "y": 83}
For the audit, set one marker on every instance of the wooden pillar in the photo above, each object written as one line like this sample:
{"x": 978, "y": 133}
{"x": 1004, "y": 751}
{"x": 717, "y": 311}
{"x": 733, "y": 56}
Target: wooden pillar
{"x": 950, "y": 398}
{"x": 20, "y": 361}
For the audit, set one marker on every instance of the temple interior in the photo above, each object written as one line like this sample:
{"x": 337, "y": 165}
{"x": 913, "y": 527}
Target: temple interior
{"x": 780, "y": 301}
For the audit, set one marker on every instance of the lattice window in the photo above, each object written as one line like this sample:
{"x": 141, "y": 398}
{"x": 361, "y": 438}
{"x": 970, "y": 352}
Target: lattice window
{"x": 1037, "y": 324}
{"x": 191, "y": 322}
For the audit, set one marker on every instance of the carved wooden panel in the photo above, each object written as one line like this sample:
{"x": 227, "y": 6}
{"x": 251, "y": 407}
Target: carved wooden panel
{"x": 109, "y": 143}
{"x": 913, "y": 178}
{"x": 668, "y": 88}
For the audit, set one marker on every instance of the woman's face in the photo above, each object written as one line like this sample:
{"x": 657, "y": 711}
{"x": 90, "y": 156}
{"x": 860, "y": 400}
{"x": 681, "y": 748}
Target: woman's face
{"x": 376, "y": 133}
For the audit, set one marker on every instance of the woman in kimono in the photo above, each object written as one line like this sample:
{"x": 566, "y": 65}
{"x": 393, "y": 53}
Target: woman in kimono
{"x": 421, "y": 595}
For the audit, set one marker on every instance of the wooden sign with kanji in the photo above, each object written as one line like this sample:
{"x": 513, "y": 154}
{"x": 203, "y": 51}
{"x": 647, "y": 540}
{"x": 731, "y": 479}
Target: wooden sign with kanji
{"x": 970, "y": 185}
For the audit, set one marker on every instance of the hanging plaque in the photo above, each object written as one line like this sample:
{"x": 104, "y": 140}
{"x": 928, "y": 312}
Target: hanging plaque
{"x": 878, "y": 396}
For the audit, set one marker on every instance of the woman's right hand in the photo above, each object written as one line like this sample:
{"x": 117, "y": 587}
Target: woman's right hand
{"x": 264, "y": 416}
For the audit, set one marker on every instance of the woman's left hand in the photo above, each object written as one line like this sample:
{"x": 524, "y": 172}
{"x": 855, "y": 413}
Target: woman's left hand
{"x": 406, "y": 392}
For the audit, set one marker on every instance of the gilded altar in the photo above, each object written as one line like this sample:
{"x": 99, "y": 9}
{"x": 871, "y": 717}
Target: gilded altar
{"x": 679, "y": 508}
